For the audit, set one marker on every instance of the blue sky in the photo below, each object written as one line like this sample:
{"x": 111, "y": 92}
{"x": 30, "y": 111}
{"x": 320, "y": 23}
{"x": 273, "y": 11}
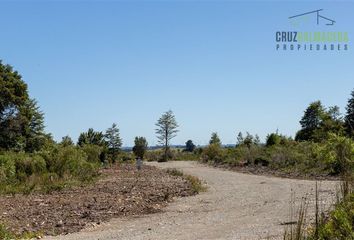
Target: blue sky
{"x": 91, "y": 63}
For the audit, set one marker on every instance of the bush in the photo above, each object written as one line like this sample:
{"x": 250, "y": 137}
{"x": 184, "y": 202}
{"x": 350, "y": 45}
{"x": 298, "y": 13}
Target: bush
{"x": 74, "y": 161}
{"x": 174, "y": 172}
{"x": 167, "y": 155}
{"x": 340, "y": 224}
{"x": 23, "y": 172}
{"x": 184, "y": 155}
{"x": 196, "y": 184}
{"x": 67, "y": 161}
{"x": 27, "y": 165}
{"x": 126, "y": 156}
{"x": 87, "y": 171}
{"x": 93, "y": 152}
{"x": 338, "y": 154}
{"x": 235, "y": 156}
{"x": 213, "y": 152}
{"x": 273, "y": 139}
{"x": 140, "y": 147}
{"x": 153, "y": 155}
{"x": 7, "y": 168}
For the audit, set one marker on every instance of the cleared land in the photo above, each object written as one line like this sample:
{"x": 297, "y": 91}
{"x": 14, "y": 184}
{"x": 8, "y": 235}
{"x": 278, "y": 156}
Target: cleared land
{"x": 121, "y": 191}
{"x": 236, "y": 206}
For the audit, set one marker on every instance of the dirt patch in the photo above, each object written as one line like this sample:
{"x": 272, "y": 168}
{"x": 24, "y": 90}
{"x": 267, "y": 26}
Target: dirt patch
{"x": 122, "y": 191}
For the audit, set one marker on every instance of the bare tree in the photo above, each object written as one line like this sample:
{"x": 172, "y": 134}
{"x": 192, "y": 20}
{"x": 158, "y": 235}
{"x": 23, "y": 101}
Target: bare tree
{"x": 166, "y": 130}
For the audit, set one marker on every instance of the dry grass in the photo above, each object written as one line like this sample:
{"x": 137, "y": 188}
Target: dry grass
{"x": 196, "y": 183}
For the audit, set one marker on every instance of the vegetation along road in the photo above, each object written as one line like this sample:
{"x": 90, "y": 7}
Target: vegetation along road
{"x": 235, "y": 206}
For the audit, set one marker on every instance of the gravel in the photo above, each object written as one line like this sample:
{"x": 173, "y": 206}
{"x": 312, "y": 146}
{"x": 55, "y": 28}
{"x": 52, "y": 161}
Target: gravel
{"x": 235, "y": 206}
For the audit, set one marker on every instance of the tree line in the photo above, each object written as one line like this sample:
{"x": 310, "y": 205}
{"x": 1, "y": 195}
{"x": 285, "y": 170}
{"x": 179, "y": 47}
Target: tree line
{"x": 22, "y": 124}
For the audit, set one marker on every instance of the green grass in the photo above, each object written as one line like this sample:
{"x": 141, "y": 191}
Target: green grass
{"x": 338, "y": 225}
{"x": 5, "y": 233}
{"x": 43, "y": 184}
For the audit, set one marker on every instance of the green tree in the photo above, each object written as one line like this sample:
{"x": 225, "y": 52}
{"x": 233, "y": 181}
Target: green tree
{"x": 166, "y": 130}
{"x": 21, "y": 121}
{"x": 249, "y": 140}
{"x": 91, "y": 137}
{"x": 113, "y": 140}
{"x": 66, "y": 141}
{"x": 140, "y": 147}
{"x": 215, "y": 139}
{"x": 318, "y": 122}
{"x": 257, "y": 140}
{"x": 349, "y": 117}
{"x": 13, "y": 96}
{"x": 33, "y": 131}
{"x": 338, "y": 153}
{"x": 13, "y": 90}
{"x": 331, "y": 122}
{"x": 239, "y": 139}
{"x": 310, "y": 121}
{"x": 273, "y": 139}
{"x": 213, "y": 152}
{"x": 190, "y": 146}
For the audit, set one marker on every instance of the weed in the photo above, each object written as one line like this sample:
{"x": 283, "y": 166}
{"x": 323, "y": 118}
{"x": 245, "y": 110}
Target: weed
{"x": 196, "y": 184}
{"x": 5, "y": 233}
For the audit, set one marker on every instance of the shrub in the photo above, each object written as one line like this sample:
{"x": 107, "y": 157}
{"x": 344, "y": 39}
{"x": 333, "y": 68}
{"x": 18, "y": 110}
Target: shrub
{"x": 67, "y": 160}
{"x": 196, "y": 184}
{"x": 174, "y": 172}
{"x": 184, "y": 155}
{"x": 338, "y": 154}
{"x": 153, "y": 155}
{"x": 213, "y": 152}
{"x": 167, "y": 155}
{"x": 87, "y": 171}
{"x": 234, "y": 156}
{"x": 7, "y": 168}
{"x": 51, "y": 169}
{"x": 273, "y": 139}
{"x": 140, "y": 146}
{"x": 93, "y": 152}
{"x": 340, "y": 224}
{"x": 27, "y": 165}
{"x": 126, "y": 156}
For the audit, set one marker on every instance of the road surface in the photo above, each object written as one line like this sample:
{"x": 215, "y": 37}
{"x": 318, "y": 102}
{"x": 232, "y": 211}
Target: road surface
{"x": 235, "y": 206}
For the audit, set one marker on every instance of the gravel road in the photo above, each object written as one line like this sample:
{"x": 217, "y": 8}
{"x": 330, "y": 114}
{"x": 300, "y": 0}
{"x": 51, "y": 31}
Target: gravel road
{"x": 235, "y": 206}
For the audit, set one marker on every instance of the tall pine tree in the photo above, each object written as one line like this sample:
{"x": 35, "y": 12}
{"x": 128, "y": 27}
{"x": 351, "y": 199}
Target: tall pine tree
{"x": 165, "y": 131}
{"x": 114, "y": 142}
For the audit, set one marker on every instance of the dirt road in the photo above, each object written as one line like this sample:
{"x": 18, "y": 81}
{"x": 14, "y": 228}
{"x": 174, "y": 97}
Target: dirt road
{"x": 235, "y": 206}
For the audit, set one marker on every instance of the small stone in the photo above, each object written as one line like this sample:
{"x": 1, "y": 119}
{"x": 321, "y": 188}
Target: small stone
{"x": 59, "y": 224}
